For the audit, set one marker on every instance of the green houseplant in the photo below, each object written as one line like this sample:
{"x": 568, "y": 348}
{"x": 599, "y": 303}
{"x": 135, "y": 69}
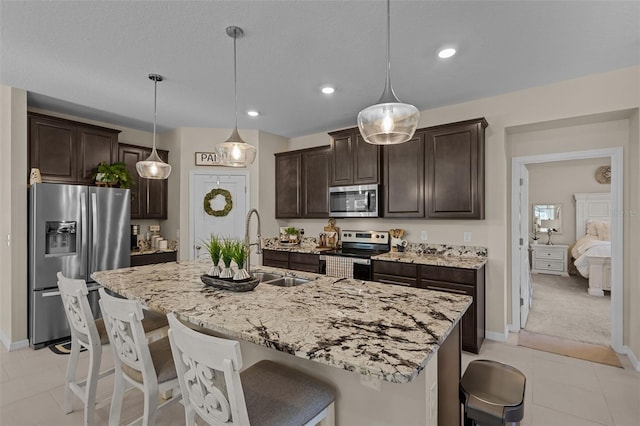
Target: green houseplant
{"x": 239, "y": 256}
{"x": 226, "y": 253}
{"x": 292, "y": 233}
{"x": 214, "y": 246}
{"x": 113, "y": 174}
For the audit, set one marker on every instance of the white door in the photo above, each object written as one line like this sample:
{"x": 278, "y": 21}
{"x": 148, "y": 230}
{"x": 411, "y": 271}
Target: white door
{"x": 203, "y": 223}
{"x": 525, "y": 275}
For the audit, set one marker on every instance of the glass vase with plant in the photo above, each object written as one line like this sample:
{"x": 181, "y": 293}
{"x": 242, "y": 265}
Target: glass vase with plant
{"x": 239, "y": 256}
{"x": 226, "y": 253}
{"x": 214, "y": 246}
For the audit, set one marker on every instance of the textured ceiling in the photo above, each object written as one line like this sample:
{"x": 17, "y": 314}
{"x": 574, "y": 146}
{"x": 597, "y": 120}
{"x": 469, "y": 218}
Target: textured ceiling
{"x": 91, "y": 58}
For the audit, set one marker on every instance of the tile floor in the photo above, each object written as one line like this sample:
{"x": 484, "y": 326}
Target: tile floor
{"x": 560, "y": 390}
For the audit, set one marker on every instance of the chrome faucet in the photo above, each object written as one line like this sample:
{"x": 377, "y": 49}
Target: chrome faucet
{"x": 247, "y": 243}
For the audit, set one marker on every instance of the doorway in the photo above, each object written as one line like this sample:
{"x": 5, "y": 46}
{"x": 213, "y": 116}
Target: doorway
{"x": 521, "y": 295}
{"x": 218, "y": 207}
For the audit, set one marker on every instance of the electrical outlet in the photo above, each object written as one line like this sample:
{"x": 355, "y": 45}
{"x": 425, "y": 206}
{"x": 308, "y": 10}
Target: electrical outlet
{"x": 370, "y": 382}
{"x": 467, "y": 237}
{"x": 423, "y": 235}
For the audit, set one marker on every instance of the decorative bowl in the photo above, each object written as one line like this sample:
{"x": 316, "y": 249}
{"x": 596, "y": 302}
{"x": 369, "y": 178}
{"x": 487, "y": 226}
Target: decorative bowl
{"x": 238, "y": 286}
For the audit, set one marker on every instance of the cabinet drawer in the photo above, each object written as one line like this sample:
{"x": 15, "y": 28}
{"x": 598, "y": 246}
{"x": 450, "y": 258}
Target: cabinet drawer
{"x": 448, "y": 287}
{"x": 152, "y": 258}
{"x": 549, "y": 265}
{"x": 395, "y": 280}
{"x": 549, "y": 253}
{"x": 450, "y": 275}
{"x": 305, "y": 258}
{"x": 395, "y": 268}
{"x": 278, "y": 256}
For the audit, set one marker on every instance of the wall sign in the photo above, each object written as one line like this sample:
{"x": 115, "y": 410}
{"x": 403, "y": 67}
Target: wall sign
{"x": 208, "y": 159}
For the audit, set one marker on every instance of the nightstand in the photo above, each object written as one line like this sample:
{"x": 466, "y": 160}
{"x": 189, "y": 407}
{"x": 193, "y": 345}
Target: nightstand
{"x": 550, "y": 259}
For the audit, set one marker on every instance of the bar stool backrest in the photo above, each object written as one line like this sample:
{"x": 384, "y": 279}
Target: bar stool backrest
{"x": 209, "y": 374}
{"x": 76, "y": 306}
{"x": 123, "y": 321}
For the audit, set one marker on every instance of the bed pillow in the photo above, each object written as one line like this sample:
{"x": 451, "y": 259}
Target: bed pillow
{"x": 592, "y": 228}
{"x": 581, "y": 245}
{"x": 604, "y": 231}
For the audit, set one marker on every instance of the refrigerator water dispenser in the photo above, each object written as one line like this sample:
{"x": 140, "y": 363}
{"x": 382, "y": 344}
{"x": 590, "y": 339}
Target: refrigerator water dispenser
{"x": 60, "y": 238}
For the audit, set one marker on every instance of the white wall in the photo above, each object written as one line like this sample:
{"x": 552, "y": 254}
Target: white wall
{"x": 555, "y": 183}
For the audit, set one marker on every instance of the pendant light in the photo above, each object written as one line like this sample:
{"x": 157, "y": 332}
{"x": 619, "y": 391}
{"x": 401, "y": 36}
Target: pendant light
{"x": 389, "y": 121}
{"x": 234, "y": 151}
{"x": 153, "y": 167}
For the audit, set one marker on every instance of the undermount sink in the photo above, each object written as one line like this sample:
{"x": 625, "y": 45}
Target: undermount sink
{"x": 279, "y": 280}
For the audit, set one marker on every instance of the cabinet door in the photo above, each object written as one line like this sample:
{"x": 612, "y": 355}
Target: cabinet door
{"x": 342, "y": 158}
{"x": 366, "y": 161}
{"x": 315, "y": 182}
{"x": 404, "y": 178}
{"x": 455, "y": 170}
{"x": 288, "y": 185}
{"x": 304, "y": 262}
{"x": 95, "y": 145}
{"x": 276, "y": 259}
{"x": 53, "y": 149}
{"x": 156, "y": 192}
{"x": 130, "y": 155}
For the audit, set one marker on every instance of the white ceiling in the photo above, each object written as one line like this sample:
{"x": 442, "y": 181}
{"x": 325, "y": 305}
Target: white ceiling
{"x": 91, "y": 58}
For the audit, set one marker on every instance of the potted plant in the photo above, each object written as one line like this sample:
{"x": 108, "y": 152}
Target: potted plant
{"x": 292, "y": 233}
{"x": 115, "y": 174}
{"x": 214, "y": 246}
{"x": 226, "y": 253}
{"x": 239, "y": 256}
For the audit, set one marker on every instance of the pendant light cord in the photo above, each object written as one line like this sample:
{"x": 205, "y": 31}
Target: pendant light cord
{"x": 155, "y": 111}
{"x": 389, "y": 43}
{"x": 235, "y": 78}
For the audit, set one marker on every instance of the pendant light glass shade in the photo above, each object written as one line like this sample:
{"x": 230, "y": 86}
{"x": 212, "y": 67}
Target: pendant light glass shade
{"x": 153, "y": 167}
{"x": 389, "y": 121}
{"x": 235, "y": 152}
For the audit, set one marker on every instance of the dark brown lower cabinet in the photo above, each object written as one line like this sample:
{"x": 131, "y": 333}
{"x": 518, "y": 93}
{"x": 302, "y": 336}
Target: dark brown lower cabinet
{"x": 440, "y": 278}
{"x": 152, "y": 258}
{"x": 449, "y": 374}
{"x": 307, "y": 262}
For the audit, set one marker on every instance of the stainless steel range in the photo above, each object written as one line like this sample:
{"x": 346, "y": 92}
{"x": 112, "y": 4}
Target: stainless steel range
{"x": 353, "y": 260}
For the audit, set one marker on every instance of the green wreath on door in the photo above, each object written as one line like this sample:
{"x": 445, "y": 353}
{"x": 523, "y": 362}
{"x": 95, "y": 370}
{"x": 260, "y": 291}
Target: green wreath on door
{"x": 213, "y": 194}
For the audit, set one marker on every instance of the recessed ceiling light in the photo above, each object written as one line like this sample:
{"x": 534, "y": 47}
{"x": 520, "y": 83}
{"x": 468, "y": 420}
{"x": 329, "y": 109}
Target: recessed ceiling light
{"x": 327, "y": 90}
{"x": 252, "y": 113}
{"x": 447, "y": 53}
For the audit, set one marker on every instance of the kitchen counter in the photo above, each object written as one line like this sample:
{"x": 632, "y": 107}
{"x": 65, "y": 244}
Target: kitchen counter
{"x": 450, "y": 261}
{"x": 307, "y": 245}
{"x": 374, "y": 329}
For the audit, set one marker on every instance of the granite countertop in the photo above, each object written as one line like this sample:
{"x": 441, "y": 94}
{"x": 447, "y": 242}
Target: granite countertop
{"x": 451, "y": 261}
{"x": 307, "y": 245}
{"x": 389, "y": 332}
{"x": 151, "y": 251}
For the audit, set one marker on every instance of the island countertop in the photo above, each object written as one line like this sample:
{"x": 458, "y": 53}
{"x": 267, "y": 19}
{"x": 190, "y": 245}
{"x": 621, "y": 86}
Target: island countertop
{"x": 374, "y": 329}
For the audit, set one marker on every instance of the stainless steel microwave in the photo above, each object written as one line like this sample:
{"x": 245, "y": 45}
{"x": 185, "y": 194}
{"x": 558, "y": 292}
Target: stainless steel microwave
{"x": 354, "y": 201}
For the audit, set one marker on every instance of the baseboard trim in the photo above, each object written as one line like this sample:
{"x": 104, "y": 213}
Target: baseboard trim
{"x": 13, "y": 346}
{"x": 632, "y": 357}
{"x": 498, "y": 337}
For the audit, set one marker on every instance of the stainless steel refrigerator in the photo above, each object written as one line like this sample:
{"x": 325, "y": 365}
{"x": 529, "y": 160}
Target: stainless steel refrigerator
{"x": 76, "y": 230}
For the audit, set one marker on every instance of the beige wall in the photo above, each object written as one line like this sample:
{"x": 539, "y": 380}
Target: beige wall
{"x": 555, "y": 183}
{"x": 13, "y": 217}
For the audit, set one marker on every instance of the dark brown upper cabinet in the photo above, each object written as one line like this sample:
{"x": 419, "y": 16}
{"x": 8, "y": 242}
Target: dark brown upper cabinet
{"x": 67, "y": 151}
{"x": 148, "y": 196}
{"x": 403, "y": 167}
{"x": 353, "y": 161}
{"x": 454, "y": 172}
{"x": 302, "y": 183}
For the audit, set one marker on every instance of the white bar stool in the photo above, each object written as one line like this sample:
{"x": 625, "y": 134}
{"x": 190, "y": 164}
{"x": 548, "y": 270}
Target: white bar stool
{"x": 265, "y": 394}
{"x": 90, "y": 334}
{"x": 148, "y": 367}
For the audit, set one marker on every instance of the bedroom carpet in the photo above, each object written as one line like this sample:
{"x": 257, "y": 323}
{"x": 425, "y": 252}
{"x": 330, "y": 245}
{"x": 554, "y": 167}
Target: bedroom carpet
{"x": 556, "y": 345}
{"x": 562, "y": 307}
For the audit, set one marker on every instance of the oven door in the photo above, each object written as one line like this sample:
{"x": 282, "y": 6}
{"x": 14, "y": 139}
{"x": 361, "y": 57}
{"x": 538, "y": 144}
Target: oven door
{"x": 354, "y": 201}
{"x": 362, "y": 269}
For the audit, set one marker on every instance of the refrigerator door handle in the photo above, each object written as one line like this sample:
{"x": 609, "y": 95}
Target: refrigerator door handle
{"x": 51, "y": 294}
{"x": 84, "y": 233}
{"x": 94, "y": 242}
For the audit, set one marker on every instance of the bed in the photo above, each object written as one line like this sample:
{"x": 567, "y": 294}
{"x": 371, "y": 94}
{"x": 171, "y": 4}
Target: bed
{"x": 591, "y": 253}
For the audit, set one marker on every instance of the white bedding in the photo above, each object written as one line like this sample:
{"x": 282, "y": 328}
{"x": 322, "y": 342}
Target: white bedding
{"x": 589, "y": 246}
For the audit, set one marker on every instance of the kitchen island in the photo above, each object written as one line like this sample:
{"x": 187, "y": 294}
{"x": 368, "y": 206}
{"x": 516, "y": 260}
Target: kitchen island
{"x": 370, "y": 341}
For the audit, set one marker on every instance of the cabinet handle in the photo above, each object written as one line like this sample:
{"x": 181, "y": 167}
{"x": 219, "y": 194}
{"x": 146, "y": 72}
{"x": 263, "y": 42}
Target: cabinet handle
{"x": 448, "y": 290}
{"x": 393, "y": 282}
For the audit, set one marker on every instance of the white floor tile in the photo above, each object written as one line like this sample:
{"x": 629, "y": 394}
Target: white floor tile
{"x": 542, "y": 416}
{"x": 575, "y": 374}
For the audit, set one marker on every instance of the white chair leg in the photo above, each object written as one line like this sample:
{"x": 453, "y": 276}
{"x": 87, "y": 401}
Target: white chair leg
{"x": 71, "y": 376}
{"x": 92, "y": 384}
{"x": 190, "y": 416}
{"x": 116, "y": 400}
{"x": 150, "y": 406}
{"x": 330, "y": 419}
